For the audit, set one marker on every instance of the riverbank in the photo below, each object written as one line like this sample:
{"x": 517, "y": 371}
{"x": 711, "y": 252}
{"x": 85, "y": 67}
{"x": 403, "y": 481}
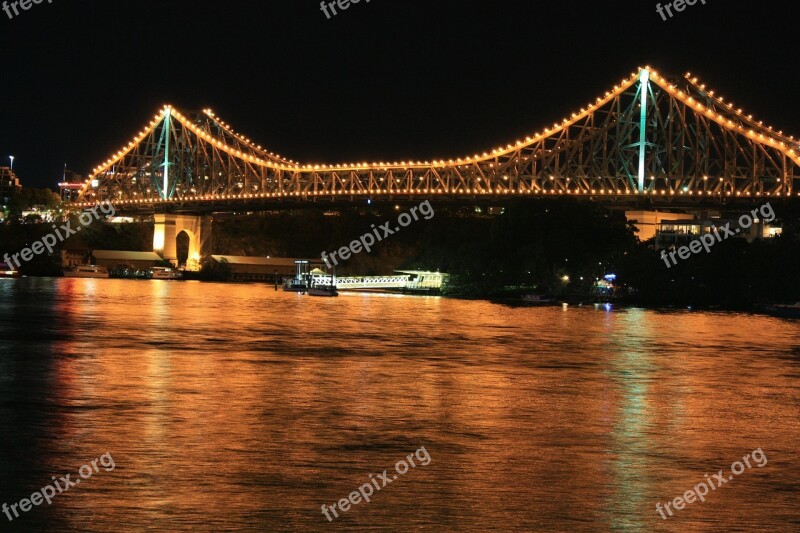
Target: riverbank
{"x": 511, "y": 302}
{"x": 559, "y": 248}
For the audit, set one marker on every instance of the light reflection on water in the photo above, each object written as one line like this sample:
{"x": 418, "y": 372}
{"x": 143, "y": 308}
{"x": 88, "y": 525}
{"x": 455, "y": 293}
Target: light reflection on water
{"x": 235, "y": 407}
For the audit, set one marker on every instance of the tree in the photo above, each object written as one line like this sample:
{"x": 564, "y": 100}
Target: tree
{"x": 25, "y": 198}
{"x": 212, "y": 270}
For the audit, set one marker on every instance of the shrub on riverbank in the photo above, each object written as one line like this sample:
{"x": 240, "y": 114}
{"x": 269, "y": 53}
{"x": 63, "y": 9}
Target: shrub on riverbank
{"x": 555, "y": 247}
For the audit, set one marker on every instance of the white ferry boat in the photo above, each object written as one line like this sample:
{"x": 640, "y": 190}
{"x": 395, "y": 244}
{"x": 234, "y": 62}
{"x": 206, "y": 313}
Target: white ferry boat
{"x": 165, "y": 273}
{"x": 86, "y": 271}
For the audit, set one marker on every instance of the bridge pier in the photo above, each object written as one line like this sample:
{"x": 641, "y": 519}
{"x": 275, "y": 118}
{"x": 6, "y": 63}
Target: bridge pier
{"x": 169, "y": 226}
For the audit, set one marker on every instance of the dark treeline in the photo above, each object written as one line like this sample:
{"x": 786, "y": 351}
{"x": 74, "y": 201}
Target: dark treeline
{"x": 27, "y": 198}
{"x": 99, "y": 235}
{"x": 531, "y": 246}
{"x": 734, "y": 274}
{"x": 554, "y": 247}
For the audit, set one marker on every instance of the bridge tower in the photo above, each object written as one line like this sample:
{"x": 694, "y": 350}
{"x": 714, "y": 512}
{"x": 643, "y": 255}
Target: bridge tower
{"x": 169, "y": 226}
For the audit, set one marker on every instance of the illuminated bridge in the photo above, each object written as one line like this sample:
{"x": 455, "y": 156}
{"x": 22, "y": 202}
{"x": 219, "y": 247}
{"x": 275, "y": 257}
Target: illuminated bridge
{"x": 649, "y": 139}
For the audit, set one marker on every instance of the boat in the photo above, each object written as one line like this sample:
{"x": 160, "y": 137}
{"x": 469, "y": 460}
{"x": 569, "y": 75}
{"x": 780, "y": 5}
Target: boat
{"x": 295, "y": 285}
{"x": 536, "y": 299}
{"x": 165, "y": 273}
{"x": 326, "y": 288}
{"x": 86, "y": 271}
{"x": 8, "y": 271}
{"x": 323, "y": 290}
{"x": 783, "y": 311}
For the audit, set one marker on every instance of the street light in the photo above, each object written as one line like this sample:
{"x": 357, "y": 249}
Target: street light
{"x": 11, "y": 157}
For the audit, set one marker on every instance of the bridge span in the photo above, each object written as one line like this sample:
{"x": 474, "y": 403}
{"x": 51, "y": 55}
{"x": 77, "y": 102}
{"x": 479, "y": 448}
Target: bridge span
{"x": 652, "y": 139}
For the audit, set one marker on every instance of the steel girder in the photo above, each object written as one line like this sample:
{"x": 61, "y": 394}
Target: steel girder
{"x": 694, "y": 145}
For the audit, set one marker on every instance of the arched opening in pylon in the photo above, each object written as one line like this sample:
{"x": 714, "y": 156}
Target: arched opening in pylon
{"x": 183, "y": 242}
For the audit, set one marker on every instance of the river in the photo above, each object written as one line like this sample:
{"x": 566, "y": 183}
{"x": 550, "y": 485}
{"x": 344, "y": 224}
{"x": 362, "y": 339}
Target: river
{"x": 232, "y": 407}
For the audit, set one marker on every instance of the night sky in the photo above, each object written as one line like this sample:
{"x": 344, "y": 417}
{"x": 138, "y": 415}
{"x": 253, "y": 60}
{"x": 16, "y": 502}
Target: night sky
{"x": 385, "y": 80}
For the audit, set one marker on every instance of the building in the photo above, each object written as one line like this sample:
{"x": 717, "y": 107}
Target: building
{"x": 9, "y": 183}
{"x": 245, "y": 268}
{"x": 71, "y": 186}
{"x": 676, "y": 233}
{"x": 122, "y": 260}
{"x": 648, "y": 222}
{"x": 679, "y": 229}
{"x": 74, "y": 255}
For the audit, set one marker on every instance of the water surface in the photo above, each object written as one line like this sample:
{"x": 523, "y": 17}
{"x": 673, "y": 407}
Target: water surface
{"x": 237, "y": 408}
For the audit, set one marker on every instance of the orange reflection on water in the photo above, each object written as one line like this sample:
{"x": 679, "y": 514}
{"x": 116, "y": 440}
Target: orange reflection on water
{"x": 237, "y": 406}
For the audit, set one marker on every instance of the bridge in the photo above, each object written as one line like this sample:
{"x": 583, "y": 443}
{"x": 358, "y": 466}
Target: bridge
{"x": 651, "y": 138}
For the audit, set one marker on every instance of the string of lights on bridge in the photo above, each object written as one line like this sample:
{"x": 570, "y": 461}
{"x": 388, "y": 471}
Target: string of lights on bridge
{"x": 242, "y": 138}
{"x": 291, "y": 166}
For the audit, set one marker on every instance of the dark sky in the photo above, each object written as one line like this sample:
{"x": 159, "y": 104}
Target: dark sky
{"x": 385, "y": 80}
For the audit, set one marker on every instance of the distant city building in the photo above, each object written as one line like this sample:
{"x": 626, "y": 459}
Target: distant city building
{"x": 9, "y": 182}
{"x": 71, "y": 186}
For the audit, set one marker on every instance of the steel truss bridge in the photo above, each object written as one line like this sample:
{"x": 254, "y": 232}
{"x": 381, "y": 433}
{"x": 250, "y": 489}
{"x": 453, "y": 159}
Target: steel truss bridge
{"x": 650, "y": 138}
